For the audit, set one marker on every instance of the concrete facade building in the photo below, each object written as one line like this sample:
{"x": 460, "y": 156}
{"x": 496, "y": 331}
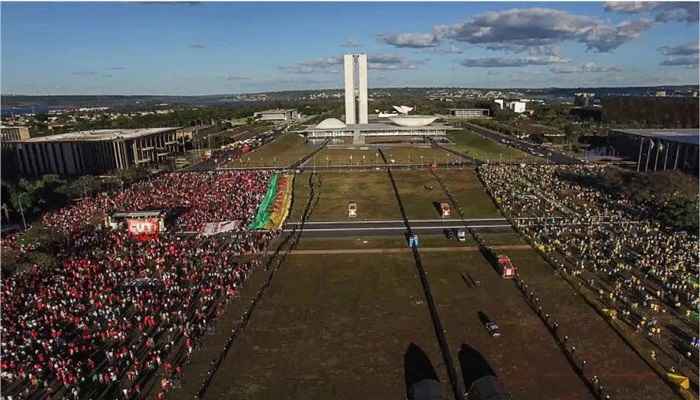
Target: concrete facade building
{"x": 277, "y": 115}
{"x": 470, "y": 112}
{"x": 357, "y": 127}
{"x": 658, "y": 149}
{"x": 91, "y": 152}
{"x": 517, "y": 107}
{"x": 358, "y": 132}
{"x": 355, "y": 68}
{"x": 583, "y": 99}
{"x": 13, "y": 133}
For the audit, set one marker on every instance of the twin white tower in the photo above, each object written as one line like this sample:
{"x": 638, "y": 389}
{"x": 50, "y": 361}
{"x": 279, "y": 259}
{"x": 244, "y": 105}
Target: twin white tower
{"x": 355, "y": 96}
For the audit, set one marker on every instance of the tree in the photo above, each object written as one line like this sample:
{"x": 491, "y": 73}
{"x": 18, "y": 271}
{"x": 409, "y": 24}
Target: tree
{"x": 35, "y": 197}
{"x": 85, "y": 185}
{"x": 681, "y": 214}
{"x": 132, "y": 175}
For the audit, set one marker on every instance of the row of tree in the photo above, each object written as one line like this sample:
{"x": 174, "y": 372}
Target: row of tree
{"x": 650, "y": 112}
{"x": 670, "y": 197}
{"x": 28, "y": 199}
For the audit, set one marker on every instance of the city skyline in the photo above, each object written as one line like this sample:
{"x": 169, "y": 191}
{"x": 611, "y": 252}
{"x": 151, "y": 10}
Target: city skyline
{"x": 221, "y": 48}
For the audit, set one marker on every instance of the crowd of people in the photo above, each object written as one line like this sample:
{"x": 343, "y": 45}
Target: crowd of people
{"x": 196, "y": 197}
{"x": 119, "y": 316}
{"x": 231, "y": 152}
{"x": 644, "y": 273}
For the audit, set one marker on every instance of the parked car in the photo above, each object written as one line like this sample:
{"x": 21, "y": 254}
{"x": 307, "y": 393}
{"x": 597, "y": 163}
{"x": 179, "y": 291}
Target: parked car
{"x": 462, "y": 235}
{"x": 490, "y": 326}
{"x": 493, "y": 329}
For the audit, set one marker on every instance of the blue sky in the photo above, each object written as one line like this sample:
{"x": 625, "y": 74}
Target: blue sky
{"x": 218, "y": 48}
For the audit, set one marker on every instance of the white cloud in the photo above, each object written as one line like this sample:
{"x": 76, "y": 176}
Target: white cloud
{"x": 412, "y": 40}
{"x": 374, "y": 62}
{"x": 504, "y": 62}
{"x": 350, "y": 43}
{"x": 589, "y": 67}
{"x": 681, "y": 50}
{"x": 686, "y": 11}
{"x": 681, "y": 55}
{"x": 452, "y": 49}
{"x": 630, "y": 7}
{"x": 519, "y": 29}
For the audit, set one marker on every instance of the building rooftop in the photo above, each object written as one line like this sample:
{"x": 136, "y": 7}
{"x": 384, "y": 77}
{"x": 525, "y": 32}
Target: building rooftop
{"x": 687, "y": 136}
{"x": 379, "y": 126}
{"x": 275, "y": 110}
{"x": 331, "y": 123}
{"x": 98, "y": 135}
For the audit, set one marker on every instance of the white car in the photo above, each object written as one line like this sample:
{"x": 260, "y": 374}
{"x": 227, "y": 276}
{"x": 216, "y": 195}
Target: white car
{"x": 462, "y": 235}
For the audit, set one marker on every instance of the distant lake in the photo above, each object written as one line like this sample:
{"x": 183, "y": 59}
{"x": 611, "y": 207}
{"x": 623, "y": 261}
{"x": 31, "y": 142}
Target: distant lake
{"x": 34, "y": 108}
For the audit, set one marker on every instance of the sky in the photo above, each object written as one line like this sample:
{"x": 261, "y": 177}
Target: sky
{"x": 201, "y": 48}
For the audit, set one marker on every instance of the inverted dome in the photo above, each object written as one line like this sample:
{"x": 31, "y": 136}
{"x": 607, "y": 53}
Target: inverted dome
{"x": 413, "y": 120}
{"x": 403, "y": 109}
{"x": 331, "y": 123}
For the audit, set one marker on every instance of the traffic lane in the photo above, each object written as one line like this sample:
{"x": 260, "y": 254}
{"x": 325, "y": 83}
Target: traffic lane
{"x": 394, "y": 223}
{"x": 384, "y": 231}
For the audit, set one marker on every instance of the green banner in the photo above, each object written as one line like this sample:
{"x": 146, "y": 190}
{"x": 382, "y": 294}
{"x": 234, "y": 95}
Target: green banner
{"x": 263, "y": 213}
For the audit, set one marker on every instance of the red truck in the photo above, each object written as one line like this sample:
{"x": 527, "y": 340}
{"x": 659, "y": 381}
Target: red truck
{"x": 445, "y": 209}
{"x": 506, "y": 267}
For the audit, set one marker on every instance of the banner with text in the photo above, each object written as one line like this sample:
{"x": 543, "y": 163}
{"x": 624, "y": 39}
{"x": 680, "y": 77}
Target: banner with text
{"x": 143, "y": 228}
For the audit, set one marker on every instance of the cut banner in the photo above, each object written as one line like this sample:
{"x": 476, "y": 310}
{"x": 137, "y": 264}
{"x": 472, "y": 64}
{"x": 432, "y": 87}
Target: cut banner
{"x": 143, "y": 228}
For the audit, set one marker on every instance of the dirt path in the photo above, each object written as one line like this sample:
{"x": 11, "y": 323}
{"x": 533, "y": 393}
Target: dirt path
{"x": 405, "y": 250}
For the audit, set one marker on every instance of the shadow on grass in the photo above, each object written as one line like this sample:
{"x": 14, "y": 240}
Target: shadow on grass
{"x": 422, "y": 382}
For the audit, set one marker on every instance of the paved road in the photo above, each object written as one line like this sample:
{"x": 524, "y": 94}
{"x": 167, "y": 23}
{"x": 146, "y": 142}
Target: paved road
{"x": 391, "y": 227}
{"x": 406, "y": 250}
{"x": 556, "y": 156}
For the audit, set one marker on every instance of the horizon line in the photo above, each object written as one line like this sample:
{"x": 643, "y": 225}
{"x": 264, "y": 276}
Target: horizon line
{"x": 340, "y": 89}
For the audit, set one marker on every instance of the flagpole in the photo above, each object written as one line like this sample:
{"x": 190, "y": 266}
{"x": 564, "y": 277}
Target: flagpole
{"x": 651, "y": 146}
{"x": 639, "y": 161}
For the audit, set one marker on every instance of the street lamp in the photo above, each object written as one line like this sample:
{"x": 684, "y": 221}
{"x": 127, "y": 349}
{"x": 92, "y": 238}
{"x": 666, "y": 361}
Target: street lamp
{"x": 21, "y": 211}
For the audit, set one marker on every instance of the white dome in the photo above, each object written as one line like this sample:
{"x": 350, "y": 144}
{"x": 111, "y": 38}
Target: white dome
{"x": 331, "y": 123}
{"x": 413, "y": 120}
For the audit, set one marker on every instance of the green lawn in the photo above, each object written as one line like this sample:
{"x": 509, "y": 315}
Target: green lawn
{"x": 347, "y": 156}
{"x": 399, "y": 241}
{"x": 526, "y": 357}
{"x": 281, "y": 152}
{"x": 375, "y": 197}
{"x": 331, "y": 328}
{"x": 371, "y": 190}
{"x": 376, "y": 242}
{"x": 366, "y": 155}
{"x": 413, "y": 155}
{"x": 338, "y": 327}
{"x": 468, "y": 192}
{"x": 483, "y": 149}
